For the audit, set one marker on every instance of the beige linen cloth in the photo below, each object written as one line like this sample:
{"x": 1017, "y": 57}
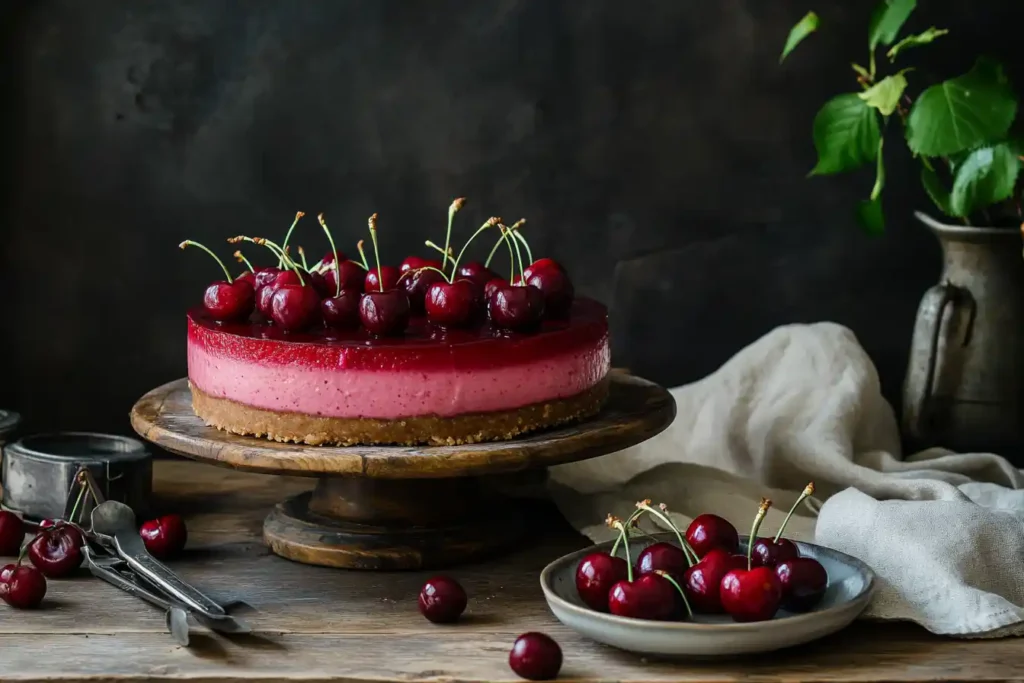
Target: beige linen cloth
{"x": 943, "y": 531}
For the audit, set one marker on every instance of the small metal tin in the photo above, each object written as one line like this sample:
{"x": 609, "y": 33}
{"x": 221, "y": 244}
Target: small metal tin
{"x": 9, "y": 421}
{"x": 39, "y": 472}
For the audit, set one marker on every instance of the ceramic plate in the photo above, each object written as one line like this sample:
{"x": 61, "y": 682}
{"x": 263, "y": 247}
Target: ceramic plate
{"x": 851, "y": 584}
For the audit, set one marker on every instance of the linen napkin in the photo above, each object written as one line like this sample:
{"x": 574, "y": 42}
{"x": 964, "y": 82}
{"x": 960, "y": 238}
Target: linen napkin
{"x": 944, "y": 532}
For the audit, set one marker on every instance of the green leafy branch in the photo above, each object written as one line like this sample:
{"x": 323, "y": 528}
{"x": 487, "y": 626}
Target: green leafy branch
{"x": 959, "y": 129}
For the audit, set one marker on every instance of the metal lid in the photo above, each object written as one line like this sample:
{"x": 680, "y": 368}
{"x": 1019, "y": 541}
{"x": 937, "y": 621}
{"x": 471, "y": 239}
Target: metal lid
{"x": 9, "y": 421}
{"x": 81, "y": 447}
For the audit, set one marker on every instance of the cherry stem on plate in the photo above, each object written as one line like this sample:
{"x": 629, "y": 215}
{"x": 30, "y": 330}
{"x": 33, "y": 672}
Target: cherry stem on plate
{"x": 616, "y": 523}
{"x": 452, "y": 210}
{"x": 362, "y": 255}
{"x": 190, "y": 243}
{"x": 334, "y": 250}
{"x": 489, "y": 223}
{"x": 372, "y": 223}
{"x": 288, "y": 235}
{"x": 808, "y": 490}
{"x": 241, "y": 259}
{"x": 762, "y": 510}
{"x": 691, "y": 556}
{"x": 630, "y": 522}
{"x": 682, "y": 593}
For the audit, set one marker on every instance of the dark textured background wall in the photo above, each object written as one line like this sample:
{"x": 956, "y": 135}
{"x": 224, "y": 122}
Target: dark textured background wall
{"x": 655, "y": 146}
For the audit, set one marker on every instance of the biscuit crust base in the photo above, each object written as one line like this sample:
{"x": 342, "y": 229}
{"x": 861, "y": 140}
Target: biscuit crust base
{"x": 433, "y": 430}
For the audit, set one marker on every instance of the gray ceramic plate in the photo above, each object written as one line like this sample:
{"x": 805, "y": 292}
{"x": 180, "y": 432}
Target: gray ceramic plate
{"x": 851, "y": 584}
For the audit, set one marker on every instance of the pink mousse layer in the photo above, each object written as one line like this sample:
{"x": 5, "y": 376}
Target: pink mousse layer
{"x": 414, "y": 377}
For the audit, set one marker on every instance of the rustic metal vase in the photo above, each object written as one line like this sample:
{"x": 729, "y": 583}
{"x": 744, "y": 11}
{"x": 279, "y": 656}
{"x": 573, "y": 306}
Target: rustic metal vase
{"x": 964, "y": 388}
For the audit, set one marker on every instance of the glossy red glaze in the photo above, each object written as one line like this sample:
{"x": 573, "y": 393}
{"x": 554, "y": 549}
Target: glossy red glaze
{"x": 703, "y": 580}
{"x": 753, "y": 595}
{"x": 804, "y": 581}
{"x": 769, "y": 553}
{"x": 595, "y": 575}
{"x": 711, "y": 531}
{"x": 442, "y": 600}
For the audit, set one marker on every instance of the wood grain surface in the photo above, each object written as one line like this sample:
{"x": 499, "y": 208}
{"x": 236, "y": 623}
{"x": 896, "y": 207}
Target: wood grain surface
{"x": 636, "y": 411}
{"x": 317, "y": 624}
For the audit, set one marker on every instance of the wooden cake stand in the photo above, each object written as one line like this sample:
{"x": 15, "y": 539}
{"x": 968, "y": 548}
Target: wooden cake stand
{"x": 397, "y": 507}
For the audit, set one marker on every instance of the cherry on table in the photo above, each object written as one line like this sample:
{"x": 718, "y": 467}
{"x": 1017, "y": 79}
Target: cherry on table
{"x": 341, "y": 312}
{"x": 451, "y": 304}
{"x": 294, "y": 307}
{"x": 56, "y": 551}
{"x": 703, "y": 580}
{"x": 442, "y": 600}
{"x": 535, "y": 657}
{"x": 477, "y": 272}
{"x": 769, "y": 553}
{"x": 164, "y": 537}
{"x": 650, "y": 596}
{"x": 388, "y": 275}
{"x": 804, "y": 581}
{"x": 22, "y": 586}
{"x": 711, "y": 531}
{"x": 516, "y": 307}
{"x": 384, "y": 313}
{"x": 12, "y": 533}
{"x": 595, "y": 575}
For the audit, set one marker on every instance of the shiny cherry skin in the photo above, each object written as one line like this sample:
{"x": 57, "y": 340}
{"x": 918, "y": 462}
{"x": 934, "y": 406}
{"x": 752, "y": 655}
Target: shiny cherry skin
{"x": 492, "y": 285}
{"x": 249, "y": 277}
{"x": 319, "y": 283}
{"x": 12, "y": 533}
{"x": 265, "y": 276}
{"x": 711, "y": 531}
{"x": 56, "y": 551}
{"x": 384, "y": 313}
{"x": 595, "y": 575}
{"x": 535, "y": 657}
{"x": 229, "y": 301}
{"x": 352, "y": 274}
{"x": 513, "y": 307}
{"x": 804, "y": 581}
{"x": 165, "y": 536}
{"x": 647, "y": 597}
{"x": 72, "y": 530}
{"x": 416, "y": 283}
{"x": 769, "y": 553}
{"x": 328, "y": 260}
{"x": 294, "y": 307}
{"x": 417, "y": 262}
{"x": 543, "y": 264}
{"x": 702, "y": 582}
{"x": 341, "y": 312}
{"x": 388, "y": 274}
{"x": 451, "y": 304}
{"x": 22, "y": 586}
{"x": 266, "y": 293}
{"x": 753, "y": 595}
{"x": 442, "y": 600}
{"x": 477, "y": 272}
{"x": 664, "y": 557}
{"x": 557, "y": 289}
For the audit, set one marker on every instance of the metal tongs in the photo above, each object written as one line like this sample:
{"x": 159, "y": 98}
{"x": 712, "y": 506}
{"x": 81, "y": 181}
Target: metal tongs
{"x": 117, "y": 555}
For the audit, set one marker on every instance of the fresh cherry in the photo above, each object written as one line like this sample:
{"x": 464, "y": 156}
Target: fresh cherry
{"x": 650, "y": 596}
{"x": 341, "y": 312}
{"x": 352, "y": 276}
{"x": 711, "y": 531}
{"x": 416, "y": 283}
{"x": 803, "y": 580}
{"x": 384, "y": 313}
{"x": 663, "y": 557}
{"x": 543, "y": 264}
{"x": 515, "y": 307}
{"x": 556, "y": 287}
{"x": 12, "y": 533}
{"x": 703, "y": 580}
{"x": 477, "y": 272}
{"x": 229, "y": 301}
{"x": 249, "y": 277}
{"x": 164, "y": 537}
{"x": 22, "y": 586}
{"x": 417, "y": 262}
{"x": 294, "y": 307}
{"x": 535, "y": 657}
{"x": 492, "y": 285}
{"x": 265, "y": 276}
{"x": 387, "y": 274}
{"x": 328, "y": 260}
{"x": 57, "y": 551}
{"x": 319, "y": 283}
{"x": 768, "y": 552}
{"x": 442, "y": 600}
{"x": 451, "y": 304}
{"x": 595, "y": 576}
{"x": 752, "y": 593}
{"x": 266, "y": 293}
{"x": 72, "y": 530}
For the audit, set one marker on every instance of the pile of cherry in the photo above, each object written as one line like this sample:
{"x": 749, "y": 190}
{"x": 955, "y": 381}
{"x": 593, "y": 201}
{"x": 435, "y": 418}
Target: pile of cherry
{"x": 704, "y": 573}
{"x": 55, "y": 551}
{"x": 344, "y": 294}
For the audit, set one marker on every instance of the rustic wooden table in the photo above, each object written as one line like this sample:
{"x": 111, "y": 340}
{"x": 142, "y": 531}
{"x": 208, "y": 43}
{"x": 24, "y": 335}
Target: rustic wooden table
{"x": 318, "y": 624}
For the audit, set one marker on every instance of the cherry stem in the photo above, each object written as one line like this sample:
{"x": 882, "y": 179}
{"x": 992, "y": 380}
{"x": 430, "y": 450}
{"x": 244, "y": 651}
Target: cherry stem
{"x": 522, "y": 271}
{"x": 522, "y": 238}
{"x": 288, "y": 235}
{"x": 808, "y": 490}
{"x": 489, "y": 223}
{"x": 691, "y": 556}
{"x": 682, "y": 593}
{"x": 416, "y": 270}
{"x": 629, "y": 522}
{"x": 372, "y": 222}
{"x": 241, "y": 259}
{"x": 334, "y": 250}
{"x": 190, "y": 243}
{"x": 452, "y": 210}
{"x": 274, "y": 249}
{"x": 362, "y": 255}
{"x": 762, "y": 510}
{"x": 616, "y": 523}
{"x": 494, "y": 250}
{"x": 302, "y": 255}
{"x": 78, "y": 501}
{"x": 511, "y": 254}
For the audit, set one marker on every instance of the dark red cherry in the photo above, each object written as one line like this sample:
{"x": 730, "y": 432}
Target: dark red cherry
{"x": 416, "y": 283}
{"x": 384, "y": 313}
{"x": 73, "y": 530}
{"x": 768, "y": 553}
{"x": 663, "y": 557}
{"x": 417, "y": 262}
{"x": 753, "y": 595}
{"x": 328, "y": 260}
{"x": 265, "y": 276}
{"x": 353, "y": 276}
{"x": 57, "y": 551}
{"x": 228, "y": 302}
{"x": 648, "y": 597}
{"x": 804, "y": 581}
{"x": 543, "y": 264}
{"x": 711, "y": 531}
{"x": 294, "y": 307}
{"x": 535, "y": 657}
{"x": 442, "y": 600}
{"x": 342, "y": 312}
{"x": 165, "y": 536}
{"x": 22, "y": 586}
{"x": 477, "y": 272}
{"x": 492, "y": 285}
{"x": 266, "y": 294}
{"x": 249, "y": 277}
{"x": 319, "y": 283}
{"x": 12, "y": 533}
{"x": 388, "y": 274}
{"x": 557, "y": 288}
{"x": 595, "y": 576}
{"x": 703, "y": 581}
{"x": 516, "y": 308}
{"x": 453, "y": 304}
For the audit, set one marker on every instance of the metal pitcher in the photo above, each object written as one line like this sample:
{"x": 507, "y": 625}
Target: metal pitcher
{"x": 964, "y": 388}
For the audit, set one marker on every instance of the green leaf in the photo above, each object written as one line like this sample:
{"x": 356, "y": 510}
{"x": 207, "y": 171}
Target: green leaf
{"x": 935, "y": 189}
{"x": 846, "y": 135}
{"x": 886, "y": 94}
{"x": 922, "y": 38}
{"x": 802, "y": 29}
{"x": 887, "y": 20}
{"x": 962, "y": 113}
{"x": 876, "y": 191}
{"x": 870, "y": 216}
{"x": 985, "y": 177}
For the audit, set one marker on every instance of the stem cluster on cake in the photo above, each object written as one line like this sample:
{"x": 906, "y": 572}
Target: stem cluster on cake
{"x": 342, "y": 293}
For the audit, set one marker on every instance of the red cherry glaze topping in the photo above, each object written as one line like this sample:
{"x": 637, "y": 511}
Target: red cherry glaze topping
{"x": 22, "y": 586}
{"x": 12, "y": 533}
{"x": 384, "y": 313}
{"x": 387, "y": 274}
{"x": 517, "y": 308}
{"x": 451, "y": 304}
{"x": 595, "y": 576}
{"x": 164, "y": 537}
{"x": 57, "y": 551}
{"x": 442, "y": 600}
{"x": 804, "y": 582}
{"x": 711, "y": 531}
{"x": 535, "y": 657}
{"x": 341, "y": 312}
